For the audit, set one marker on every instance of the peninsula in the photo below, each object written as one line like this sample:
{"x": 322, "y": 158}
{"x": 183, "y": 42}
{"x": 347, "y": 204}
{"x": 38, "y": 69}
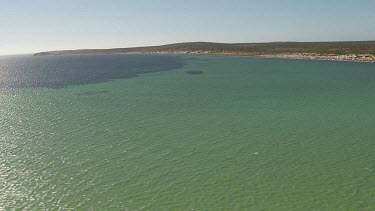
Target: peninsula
{"x": 360, "y": 51}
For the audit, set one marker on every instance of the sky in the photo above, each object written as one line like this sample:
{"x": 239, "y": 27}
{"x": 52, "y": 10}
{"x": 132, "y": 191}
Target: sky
{"x": 29, "y": 26}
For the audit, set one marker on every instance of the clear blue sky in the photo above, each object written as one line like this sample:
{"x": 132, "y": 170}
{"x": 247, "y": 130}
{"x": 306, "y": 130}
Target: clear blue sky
{"x": 38, "y": 25}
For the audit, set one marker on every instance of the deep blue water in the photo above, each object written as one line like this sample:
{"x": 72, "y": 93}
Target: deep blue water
{"x": 62, "y": 71}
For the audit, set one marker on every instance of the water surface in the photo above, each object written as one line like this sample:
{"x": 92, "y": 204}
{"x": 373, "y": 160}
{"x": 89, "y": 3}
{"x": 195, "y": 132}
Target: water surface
{"x": 247, "y": 134}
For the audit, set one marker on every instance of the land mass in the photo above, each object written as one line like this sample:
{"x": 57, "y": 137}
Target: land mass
{"x": 361, "y": 51}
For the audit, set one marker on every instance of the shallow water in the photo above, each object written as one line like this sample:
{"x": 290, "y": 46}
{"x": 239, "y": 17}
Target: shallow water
{"x": 247, "y": 134}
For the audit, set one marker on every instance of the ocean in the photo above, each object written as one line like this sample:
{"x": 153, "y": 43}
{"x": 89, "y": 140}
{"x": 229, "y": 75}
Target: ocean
{"x": 169, "y": 132}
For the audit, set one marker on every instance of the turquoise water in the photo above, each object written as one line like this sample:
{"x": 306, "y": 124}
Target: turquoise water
{"x": 245, "y": 134}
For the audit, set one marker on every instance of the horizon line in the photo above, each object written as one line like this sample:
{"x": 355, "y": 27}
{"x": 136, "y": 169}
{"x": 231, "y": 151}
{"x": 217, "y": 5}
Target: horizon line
{"x": 156, "y": 45}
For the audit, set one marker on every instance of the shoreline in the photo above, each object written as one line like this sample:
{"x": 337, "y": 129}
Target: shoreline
{"x": 338, "y": 58}
{"x": 352, "y": 51}
{"x": 301, "y": 56}
{"x": 333, "y": 58}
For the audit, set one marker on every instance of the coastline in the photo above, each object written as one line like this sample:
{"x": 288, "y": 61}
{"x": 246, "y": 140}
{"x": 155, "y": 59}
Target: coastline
{"x": 339, "y": 58}
{"x": 355, "y": 51}
{"x": 302, "y": 56}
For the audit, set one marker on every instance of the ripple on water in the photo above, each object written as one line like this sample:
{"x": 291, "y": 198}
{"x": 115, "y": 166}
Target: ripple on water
{"x": 254, "y": 134}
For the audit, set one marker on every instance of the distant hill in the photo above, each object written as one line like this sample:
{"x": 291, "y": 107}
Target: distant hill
{"x": 353, "y": 50}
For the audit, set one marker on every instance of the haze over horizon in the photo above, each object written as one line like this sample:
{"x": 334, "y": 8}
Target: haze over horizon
{"x": 41, "y": 25}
